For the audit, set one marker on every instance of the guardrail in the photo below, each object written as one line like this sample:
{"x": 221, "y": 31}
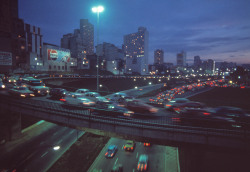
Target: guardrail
{"x": 139, "y": 121}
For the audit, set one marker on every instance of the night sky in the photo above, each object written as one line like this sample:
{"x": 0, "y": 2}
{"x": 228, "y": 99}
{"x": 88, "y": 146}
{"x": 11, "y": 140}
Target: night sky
{"x": 212, "y": 29}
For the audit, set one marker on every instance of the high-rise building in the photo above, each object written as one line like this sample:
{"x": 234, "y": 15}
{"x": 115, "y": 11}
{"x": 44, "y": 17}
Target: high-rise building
{"x": 197, "y": 61}
{"x": 12, "y": 37}
{"x": 33, "y": 47}
{"x": 158, "y": 57}
{"x": 87, "y": 35}
{"x": 110, "y": 57}
{"x": 136, "y": 50}
{"x": 181, "y": 59}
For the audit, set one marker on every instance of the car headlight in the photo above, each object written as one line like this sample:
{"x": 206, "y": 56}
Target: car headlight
{"x": 38, "y": 91}
{"x": 3, "y": 86}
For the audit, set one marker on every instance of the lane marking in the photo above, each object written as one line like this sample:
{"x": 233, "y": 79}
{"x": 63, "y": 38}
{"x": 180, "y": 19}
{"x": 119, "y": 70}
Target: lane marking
{"x": 71, "y": 132}
{"x": 55, "y": 133}
{"x": 178, "y": 162}
{"x": 137, "y": 154}
{"x": 42, "y": 143}
{"x": 59, "y": 141}
{"x": 122, "y": 147}
{"x": 133, "y": 170}
{"x": 44, "y": 154}
{"x": 116, "y": 161}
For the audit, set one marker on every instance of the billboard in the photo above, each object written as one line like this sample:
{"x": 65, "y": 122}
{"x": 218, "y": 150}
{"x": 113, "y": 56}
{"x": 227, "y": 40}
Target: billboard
{"x": 5, "y": 58}
{"x": 58, "y": 55}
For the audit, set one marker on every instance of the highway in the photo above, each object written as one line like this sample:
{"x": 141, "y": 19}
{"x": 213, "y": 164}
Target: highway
{"x": 161, "y": 158}
{"x": 38, "y": 154}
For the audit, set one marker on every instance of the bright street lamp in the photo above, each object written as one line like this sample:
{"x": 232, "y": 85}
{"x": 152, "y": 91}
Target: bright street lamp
{"x": 97, "y": 10}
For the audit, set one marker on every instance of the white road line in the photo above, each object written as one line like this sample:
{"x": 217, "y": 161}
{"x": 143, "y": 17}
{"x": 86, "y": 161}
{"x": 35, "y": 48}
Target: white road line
{"x": 122, "y": 147}
{"x": 116, "y": 160}
{"x": 137, "y": 155}
{"x": 41, "y": 143}
{"x": 55, "y": 133}
{"x": 177, "y": 159}
{"x": 44, "y": 154}
{"x": 71, "y": 132}
{"x": 59, "y": 141}
{"x": 133, "y": 170}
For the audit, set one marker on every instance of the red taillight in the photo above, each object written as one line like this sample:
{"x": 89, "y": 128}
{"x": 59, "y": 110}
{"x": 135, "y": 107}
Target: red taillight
{"x": 145, "y": 167}
{"x": 138, "y": 167}
{"x": 168, "y": 105}
{"x": 242, "y": 87}
{"x": 106, "y": 153}
{"x": 206, "y": 113}
{"x": 63, "y": 100}
{"x": 176, "y": 119}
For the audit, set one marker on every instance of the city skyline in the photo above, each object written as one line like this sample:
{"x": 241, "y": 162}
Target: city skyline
{"x": 213, "y": 29}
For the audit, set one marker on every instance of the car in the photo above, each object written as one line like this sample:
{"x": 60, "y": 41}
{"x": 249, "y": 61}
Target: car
{"x": 82, "y": 91}
{"x": 139, "y": 106}
{"x": 174, "y": 103}
{"x": 142, "y": 163}
{"x": 110, "y": 153}
{"x": 21, "y": 92}
{"x": 147, "y": 144}
{"x": 38, "y": 88}
{"x": 188, "y": 105}
{"x": 119, "y": 97}
{"x": 129, "y": 146}
{"x": 112, "y": 107}
{"x": 242, "y": 119}
{"x": 57, "y": 93}
{"x": 13, "y": 79}
{"x": 95, "y": 97}
{"x": 77, "y": 100}
{"x": 2, "y": 85}
{"x": 205, "y": 117}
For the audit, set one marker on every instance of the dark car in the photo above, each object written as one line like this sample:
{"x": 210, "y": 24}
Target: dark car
{"x": 57, "y": 93}
{"x": 142, "y": 163}
{"x": 117, "y": 168}
{"x": 175, "y": 103}
{"x": 112, "y": 149}
{"x": 203, "y": 118}
{"x": 110, "y": 108}
{"x": 188, "y": 105}
{"x": 242, "y": 119}
{"x": 138, "y": 106}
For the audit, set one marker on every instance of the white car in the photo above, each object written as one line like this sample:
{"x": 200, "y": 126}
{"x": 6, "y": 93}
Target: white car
{"x": 82, "y": 91}
{"x": 119, "y": 97}
{"x": 77, "y": 100}
{"x": 21, "y": 91}
{"x": 95, "y": 97}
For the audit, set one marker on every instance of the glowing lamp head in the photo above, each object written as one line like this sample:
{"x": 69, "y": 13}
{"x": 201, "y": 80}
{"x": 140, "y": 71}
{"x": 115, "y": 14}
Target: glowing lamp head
{"x": 98, "y": 9}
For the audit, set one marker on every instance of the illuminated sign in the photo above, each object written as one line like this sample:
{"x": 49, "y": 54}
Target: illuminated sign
{"x": 58, "y": 55}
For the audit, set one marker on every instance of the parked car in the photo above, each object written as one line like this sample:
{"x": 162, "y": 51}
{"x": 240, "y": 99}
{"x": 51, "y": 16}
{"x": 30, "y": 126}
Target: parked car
{"x": 77, "y": 100}
{"x": 142, "y": 163}
{"x": 57, "y": 93}
{"x": 110, "y": 153}
{"x": 129, "y": 146}
{"x": 21, "y": 92}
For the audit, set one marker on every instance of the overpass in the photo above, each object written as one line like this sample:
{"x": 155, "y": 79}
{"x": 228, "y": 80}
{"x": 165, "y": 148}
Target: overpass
{"x": 139, "y": 128}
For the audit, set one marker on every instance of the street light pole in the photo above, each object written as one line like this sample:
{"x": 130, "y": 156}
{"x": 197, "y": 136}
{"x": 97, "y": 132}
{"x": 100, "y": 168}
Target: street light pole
{"x": 97, "y": 10}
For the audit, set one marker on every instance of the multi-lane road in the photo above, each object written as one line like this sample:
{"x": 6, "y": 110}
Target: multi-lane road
{"x": 161, "y": 158}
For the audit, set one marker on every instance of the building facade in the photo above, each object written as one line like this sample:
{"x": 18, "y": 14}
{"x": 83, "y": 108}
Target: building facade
{"x": 181, "y": 59}
{"x": 136, "y": 51}
{"x": 87, "y": 35}
{"x": 57, "y": 59}
{"x": 197, "y": 61}
{"x": 158, "y": 57}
